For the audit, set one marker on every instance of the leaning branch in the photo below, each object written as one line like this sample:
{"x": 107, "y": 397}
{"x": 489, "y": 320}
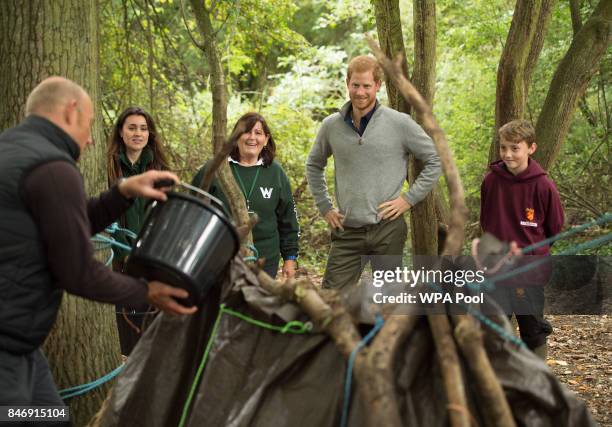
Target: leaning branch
{"x": 336, "y": 321}
{"x": 451, "y": 370}
{"x": 380, "y": 363}
{"x": 494, "y": 404}
{"x": 468, "y": 334}
{"x": 329, "y": 314}
{"x": 219, "y": 113}
{"x": 456, "y": 232}
{"x": 220, "y": 157}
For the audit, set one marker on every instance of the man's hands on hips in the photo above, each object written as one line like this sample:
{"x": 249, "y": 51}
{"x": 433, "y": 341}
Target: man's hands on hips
{"x": 143, "y": 185}
{"x": 393, "y": 208}
{"x": 334, "y": 219}
{"x": 161, "y": 296}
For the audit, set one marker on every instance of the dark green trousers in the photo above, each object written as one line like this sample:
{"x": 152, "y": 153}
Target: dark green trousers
{"x": 380, "y": 244}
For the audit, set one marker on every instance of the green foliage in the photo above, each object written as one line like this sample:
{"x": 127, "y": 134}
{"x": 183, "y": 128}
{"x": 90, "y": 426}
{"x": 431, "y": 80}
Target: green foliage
{"x": 314, "y": 83}
{"x": 475, "y": 27}
{"x": 294, "y": 133}
{"x": 338, "y": 23}
{"x": 288, "y": 60}
{"x": 582, "y": 170}
{"x": 470, "y": 36}
{"x": 251, "y": 34}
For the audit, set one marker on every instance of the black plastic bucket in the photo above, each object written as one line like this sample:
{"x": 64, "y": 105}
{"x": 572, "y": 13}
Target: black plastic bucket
{"x": 185, "y": 242}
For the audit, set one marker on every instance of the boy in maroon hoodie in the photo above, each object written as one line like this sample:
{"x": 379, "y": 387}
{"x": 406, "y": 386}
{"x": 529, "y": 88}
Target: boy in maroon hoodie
{"x": 518, "y": 202}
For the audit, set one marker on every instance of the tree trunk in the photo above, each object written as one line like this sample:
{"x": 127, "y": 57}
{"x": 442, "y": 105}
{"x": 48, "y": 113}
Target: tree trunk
{"x": 219, "y": 92}
{"x": 570, "y": 82}
{"x": 575, "y": 13}
{"x": 423, "y": 219}
{"x": 390, "y": 37}
{"x": 518, "y": 59}
{"x": 458, "y": 212}
{"x": 82, "y": 347}
{"x": 538, "y": 40}
{"x": 40, "y": 38}
{"x": 424, "y": 77}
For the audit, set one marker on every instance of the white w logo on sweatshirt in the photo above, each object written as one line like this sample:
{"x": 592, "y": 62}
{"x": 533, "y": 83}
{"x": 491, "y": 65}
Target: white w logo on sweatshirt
{"x": 266, "y": 192}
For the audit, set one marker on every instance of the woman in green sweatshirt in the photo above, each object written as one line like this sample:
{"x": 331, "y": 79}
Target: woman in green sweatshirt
{"x": 134, "y": 147}
{"x": 267, "y": 193}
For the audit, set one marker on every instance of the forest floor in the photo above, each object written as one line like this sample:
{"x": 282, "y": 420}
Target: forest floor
{"x": 580, "y": 355}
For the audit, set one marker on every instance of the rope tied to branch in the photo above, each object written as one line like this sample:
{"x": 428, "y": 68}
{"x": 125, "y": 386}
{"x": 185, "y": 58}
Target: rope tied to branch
{"x": 111, "y": 242}
{"x": 255, "y": 255}
{"x": 114, "y": 228}
{"x": 489, "y": 284}
{"x": 349, "y": 369}
{"x": 108, "y": 242}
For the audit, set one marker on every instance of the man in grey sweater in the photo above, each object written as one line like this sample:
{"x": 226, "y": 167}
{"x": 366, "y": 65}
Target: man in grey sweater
{"x": 370, "y": 144}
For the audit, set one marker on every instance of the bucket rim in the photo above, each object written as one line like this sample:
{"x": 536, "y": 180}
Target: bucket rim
{"x": 216, "y": 211}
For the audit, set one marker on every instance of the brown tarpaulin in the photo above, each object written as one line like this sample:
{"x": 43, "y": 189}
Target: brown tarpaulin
{"x": 258, "y": 377}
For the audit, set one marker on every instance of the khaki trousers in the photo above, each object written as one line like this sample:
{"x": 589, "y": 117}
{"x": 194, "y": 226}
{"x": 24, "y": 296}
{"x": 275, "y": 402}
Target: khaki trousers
{"x": 380, "y": 244}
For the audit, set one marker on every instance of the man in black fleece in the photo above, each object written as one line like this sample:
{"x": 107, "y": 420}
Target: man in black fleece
{"x": 45, "y": 233}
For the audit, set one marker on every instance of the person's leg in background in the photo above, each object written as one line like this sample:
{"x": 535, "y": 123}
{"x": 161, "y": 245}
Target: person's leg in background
{"x": 534, "y": 330}
{"x": 129, "y": 321}
{"x": 345, "y": 259}
{"x": 386, "y": 243}
{"x": 533, "y": 327}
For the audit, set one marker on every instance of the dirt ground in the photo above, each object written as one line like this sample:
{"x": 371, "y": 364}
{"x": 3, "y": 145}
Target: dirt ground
{"x": 580, "y": 355}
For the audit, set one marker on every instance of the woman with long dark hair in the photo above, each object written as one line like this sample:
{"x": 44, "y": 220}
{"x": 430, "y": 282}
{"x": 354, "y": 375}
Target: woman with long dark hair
{"x": 267, "y": 193}
{"x": 133, "y": 148}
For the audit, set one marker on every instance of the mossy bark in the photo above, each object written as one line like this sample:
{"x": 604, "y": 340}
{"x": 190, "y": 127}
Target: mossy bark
{"x": 38, "y": 39}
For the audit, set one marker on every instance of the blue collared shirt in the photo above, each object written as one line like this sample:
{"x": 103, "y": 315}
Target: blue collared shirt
{"x": 364, "y": 120}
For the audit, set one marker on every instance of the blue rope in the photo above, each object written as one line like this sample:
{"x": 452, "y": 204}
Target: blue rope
{"x": 71, "y": 392}
{"x": 114, "y": 227}
{"x": 111, "y": 241}
{"x": 486, "y": 321}
{"x": 110, "y": 259}
{"x": 607, "y": 217}
{"x": 255, "y": 255}
{"x": 499, "y": 330}
{"x": 349, "y": 369}
{"x": 489, "y": 284}
{"x": 589, "y": 244}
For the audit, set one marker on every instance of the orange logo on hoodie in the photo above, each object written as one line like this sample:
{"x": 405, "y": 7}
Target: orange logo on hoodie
{"x": 530, "y": 214}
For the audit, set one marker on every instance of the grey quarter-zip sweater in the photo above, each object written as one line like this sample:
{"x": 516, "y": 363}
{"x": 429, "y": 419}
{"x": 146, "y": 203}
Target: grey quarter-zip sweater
{"x": 370, "y": 169}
